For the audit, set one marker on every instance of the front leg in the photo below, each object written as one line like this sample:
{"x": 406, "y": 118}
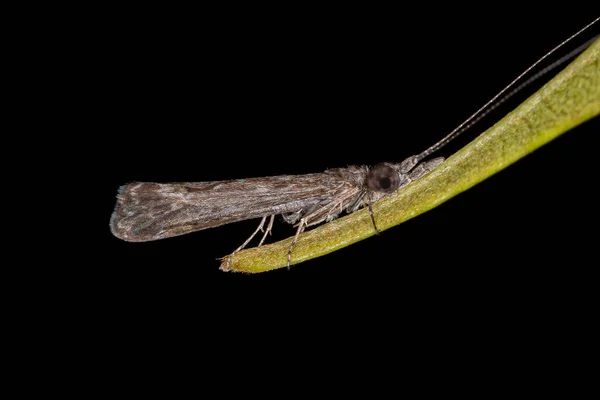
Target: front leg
{"x": 416, "y": 170}
{"x": 411, "y": 165}
{"x": 408, "y": 164}
{"x": 424, "y": 167}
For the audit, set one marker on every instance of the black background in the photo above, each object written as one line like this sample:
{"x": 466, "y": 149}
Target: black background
{"x": 235, "y": 95}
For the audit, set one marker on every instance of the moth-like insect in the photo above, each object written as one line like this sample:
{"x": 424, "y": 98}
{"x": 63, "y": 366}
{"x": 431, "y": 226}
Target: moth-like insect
{"x": 151, "y": 211}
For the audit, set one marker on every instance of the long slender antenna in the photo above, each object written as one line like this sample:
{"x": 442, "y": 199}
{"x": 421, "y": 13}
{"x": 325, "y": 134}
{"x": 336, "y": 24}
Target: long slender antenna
{"x": 483, "y": 111}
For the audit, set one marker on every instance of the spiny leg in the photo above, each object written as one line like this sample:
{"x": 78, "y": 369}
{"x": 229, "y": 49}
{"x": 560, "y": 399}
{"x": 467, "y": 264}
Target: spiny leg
{"x": 369, "y": 202}
{"x": 301, "y": 227}
{"x": 260, "y": 228}
{"x": 268, "y": 231}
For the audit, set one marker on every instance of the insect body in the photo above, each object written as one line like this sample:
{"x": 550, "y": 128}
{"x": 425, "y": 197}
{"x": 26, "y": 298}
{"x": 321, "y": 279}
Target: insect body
{"x": 151, "y": 211}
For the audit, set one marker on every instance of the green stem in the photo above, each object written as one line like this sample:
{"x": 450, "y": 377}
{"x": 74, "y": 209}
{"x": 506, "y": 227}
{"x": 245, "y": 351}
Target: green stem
{"x": 568, "y": 100}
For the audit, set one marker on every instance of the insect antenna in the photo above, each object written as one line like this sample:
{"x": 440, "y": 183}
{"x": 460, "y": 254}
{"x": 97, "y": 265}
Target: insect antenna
{"x": 504, "y": 95}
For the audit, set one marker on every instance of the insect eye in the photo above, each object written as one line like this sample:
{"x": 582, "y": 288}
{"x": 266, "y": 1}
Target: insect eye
{"x": 383, "y": 178}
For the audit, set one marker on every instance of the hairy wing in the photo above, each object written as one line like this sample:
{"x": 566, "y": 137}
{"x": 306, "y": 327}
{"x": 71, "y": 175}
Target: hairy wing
{"x": 151, "y": 211}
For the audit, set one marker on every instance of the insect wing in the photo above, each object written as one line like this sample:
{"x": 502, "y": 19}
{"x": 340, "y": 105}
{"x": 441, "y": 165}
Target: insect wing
{"x": 151, "y": 211}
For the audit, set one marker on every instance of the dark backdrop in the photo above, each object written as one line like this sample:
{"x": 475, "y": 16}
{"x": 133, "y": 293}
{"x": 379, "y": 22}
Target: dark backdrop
{"x": 235, "y": 97}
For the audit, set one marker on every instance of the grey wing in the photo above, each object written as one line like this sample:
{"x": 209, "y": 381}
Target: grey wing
{"x": 151, "y": 211}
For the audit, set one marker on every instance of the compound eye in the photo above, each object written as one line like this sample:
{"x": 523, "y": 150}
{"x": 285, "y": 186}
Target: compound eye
{"x": 383, "y": 178}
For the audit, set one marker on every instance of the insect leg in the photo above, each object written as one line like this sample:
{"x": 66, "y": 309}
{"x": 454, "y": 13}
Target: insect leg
{"x": 268, "y": 231}
{"x": 301, "y": 227}
{"x": 260, "y": 228}
{"x": 369, "y": 202}
{"x": 408, "y": 164}
{"x": 424, "y": 167}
